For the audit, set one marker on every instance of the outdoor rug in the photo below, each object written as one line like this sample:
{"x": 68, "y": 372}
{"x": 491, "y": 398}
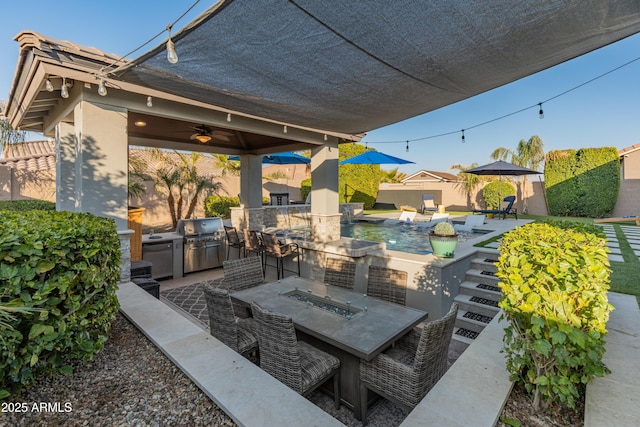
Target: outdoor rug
{"x": 191, "y": 300}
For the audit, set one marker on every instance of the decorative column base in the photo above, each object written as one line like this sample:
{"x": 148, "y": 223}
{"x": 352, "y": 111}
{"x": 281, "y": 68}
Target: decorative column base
{"x": 249, "y": 218}
{"x": 325, "y": 228}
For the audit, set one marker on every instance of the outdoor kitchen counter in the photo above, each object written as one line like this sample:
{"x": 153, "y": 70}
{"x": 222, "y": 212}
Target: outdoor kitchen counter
{"x": 173, "y": 268}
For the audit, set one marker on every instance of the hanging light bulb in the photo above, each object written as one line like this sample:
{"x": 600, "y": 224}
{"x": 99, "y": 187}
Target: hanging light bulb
{"x": 172, "y": 55}
{"x": 540, "y": 112}
{"x": 229, "y": 117}
{"x": 102, "y": 89}
{"x": 64, "y": 91}
{"x": 285, "y": 130}
{"x": 463, "y": 136}
{"x": 48, "y": 86}
{"x": 149, "y": 102}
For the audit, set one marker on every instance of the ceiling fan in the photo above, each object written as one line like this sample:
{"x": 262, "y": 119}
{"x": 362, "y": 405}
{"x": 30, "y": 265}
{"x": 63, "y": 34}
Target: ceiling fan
{"x": 204, "y": 134}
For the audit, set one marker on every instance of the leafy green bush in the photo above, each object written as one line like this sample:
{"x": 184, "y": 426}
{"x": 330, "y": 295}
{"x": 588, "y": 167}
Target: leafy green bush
{"x": 59, "y": 273}
{"x": 494, "y": 192}
{"x": 583, "y": 183}
{"x": 357, "y": 183}
{"x": 305, "y": 188}
{"x": 27, "y": 205}
{"x": 220, "y": 206}
{"x": 554, "y": 282}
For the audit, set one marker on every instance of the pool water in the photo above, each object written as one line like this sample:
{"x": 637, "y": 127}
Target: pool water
{"x": 401, "y": 237}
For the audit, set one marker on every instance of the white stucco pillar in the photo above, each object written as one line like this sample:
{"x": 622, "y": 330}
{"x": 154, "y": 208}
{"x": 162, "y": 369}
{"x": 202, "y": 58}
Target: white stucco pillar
{"x": 325, "y": 215}
{"x": 101, "y": 167}
{"x": 249, "y": 215}
{"x": 65, "y": 167}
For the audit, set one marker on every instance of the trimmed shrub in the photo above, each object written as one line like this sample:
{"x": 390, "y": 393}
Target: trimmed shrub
{"x": 494, "y": 192}
{"x": 27, "y": 205}
{"x": 554, "y": 282}
{"x": 220, "y": 206}
{"x": 305, "y": 188}
{"x": 583, "y": 183}
{"x": 61, "y": 271}
{"x": 357, "y": 183}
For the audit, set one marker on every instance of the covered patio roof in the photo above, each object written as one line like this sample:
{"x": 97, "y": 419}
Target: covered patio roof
{"x": 279, "y": 75}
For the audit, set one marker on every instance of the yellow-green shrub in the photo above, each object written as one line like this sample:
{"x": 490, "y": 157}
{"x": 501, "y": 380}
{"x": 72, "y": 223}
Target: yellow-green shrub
{"x": 554, "y": 282}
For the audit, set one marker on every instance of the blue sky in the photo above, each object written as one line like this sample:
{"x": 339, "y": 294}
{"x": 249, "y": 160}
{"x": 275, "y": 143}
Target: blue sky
{"x": 605, "y": 112}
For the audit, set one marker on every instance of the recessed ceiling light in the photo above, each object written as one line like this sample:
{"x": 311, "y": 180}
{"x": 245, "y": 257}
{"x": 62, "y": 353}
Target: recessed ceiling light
{"x": 140, "y": 123}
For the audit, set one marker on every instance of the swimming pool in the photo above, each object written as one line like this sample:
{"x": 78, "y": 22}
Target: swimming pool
{"x": 401, "y": 237}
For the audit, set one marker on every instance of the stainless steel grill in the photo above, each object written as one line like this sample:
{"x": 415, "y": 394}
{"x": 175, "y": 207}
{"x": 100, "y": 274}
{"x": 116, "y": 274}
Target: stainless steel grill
{"x": 203, "y": 239}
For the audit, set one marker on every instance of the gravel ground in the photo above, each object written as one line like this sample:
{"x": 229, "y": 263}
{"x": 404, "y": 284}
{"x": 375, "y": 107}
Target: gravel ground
{"x": 129, "y": 383}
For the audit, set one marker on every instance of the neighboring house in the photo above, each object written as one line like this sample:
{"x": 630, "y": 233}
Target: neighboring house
{"x": 430, "y": 176}
{"x": 628, "y": 203}
{"x": 28, "y": 171}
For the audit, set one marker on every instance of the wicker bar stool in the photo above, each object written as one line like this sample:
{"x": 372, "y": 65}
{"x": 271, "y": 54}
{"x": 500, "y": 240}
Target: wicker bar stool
{"x": 253, "y": 244}
{"x": 387, "y": 284}
{"x": 405, "y": 373}
{"x": 273, "y": 248}
{"x": 239, "y": 334}
{"x": 294, "y": 363}
{"x": 340, "y": 272}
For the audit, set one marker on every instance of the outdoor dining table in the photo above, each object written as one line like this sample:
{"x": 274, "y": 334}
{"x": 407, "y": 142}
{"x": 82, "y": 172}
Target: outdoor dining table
{"x": 349, "y": 325}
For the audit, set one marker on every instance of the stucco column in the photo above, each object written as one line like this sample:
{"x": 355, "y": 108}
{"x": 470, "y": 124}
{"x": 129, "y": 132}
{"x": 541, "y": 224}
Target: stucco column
{"x": 101, "y": 172}
{"x": 249, "y": 215}
{"x": 325, "y": 216}
{"x": 65, "y": 167}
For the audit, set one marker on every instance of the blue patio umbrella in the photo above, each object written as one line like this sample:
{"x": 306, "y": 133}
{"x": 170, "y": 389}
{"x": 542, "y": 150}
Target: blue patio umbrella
{"x": 288, "y": 158}
{"x": 374, "y": 158}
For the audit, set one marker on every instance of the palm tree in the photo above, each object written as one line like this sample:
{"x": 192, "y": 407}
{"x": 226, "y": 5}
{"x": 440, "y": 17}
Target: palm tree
{"x": 467, "y": 181}
{"x": 392, "y": 176}
{"x": 528, "y": 154}
{"x": 226, "y": 166}
{"x": 8, "y": 135}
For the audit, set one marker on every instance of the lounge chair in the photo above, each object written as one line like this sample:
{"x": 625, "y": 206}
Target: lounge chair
{"x": 435, "y": 218}
{"x": 428, "y": 204}
{"x": 405, "y": 217}
{"x": 470, "y": 222}
{"x": 506, "y": 208}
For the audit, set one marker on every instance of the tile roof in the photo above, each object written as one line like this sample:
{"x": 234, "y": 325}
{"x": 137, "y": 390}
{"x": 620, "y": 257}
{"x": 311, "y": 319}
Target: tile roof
{"x": 426, "y": 175}
{"x": 629, "y": 149}
{"x": 33, "y": 155}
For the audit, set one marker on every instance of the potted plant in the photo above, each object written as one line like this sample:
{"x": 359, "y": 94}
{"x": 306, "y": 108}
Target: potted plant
{"x": 443, "y": 240}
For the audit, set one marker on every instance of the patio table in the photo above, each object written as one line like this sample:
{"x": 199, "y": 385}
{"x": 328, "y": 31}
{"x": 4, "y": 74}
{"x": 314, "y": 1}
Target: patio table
{"x": 370, "y": 326}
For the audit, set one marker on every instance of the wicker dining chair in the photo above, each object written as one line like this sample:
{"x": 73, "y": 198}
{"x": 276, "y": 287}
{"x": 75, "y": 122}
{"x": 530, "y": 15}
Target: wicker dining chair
{"x": 387, "y": 284}
{"x": 340, "y": 272}
{"x": 234, "y": 241}
{"x": 241, "y": 274}
{"x": 294, "y": 363}
{"x": 273, "y": 248}
{"x": 237, "y": 333}
{"x": 405, "y": 373}
{"x": 253, "y": 244}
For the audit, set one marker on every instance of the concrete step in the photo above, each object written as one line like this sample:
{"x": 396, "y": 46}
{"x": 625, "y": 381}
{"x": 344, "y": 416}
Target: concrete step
{"x": 474, "y": 275}
{"x": 458, "y": 345}
{"x": 464, "y": 335}
{"x": 475, "y": 305}
{"x": 481, "y": 290}
{"x": 472, "y": 321}
{"x": 483, "y": 263}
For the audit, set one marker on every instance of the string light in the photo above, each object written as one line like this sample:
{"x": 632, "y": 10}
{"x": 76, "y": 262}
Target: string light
{"x": 540, "y": 112}
{"x": 172, "y": 55}
{"x": 229, "y": 117}
{"x": 407, "y": 149}
{"x": 64, "y": 91}
{"x": 285, "y": 130}
{"x": 149, "y": 101}
{"x": 102, "y": 88}
{"x": 48, "y": 86}
{"x": 463, "y": 136}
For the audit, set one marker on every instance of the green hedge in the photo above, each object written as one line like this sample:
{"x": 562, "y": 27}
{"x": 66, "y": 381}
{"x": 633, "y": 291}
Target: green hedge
{"x": 554, "y": 282}
{"x": 582, "y": 183}
{"x": 65, "y": 268}
{"x": 494, "y": 192}
{"x": 305, "y": 188}
{"x": 357, "y": 183}
{"x": 27, "y": 205}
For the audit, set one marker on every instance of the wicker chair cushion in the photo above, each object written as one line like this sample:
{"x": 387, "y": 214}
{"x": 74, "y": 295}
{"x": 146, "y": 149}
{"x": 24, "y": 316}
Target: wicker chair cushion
{"x": 298, "y": 365}
{"x": 414, "y": 365}
{"x": 340, "y": 272}
{"x": 387, "y": 284}
{"x": 247, "y": 341}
